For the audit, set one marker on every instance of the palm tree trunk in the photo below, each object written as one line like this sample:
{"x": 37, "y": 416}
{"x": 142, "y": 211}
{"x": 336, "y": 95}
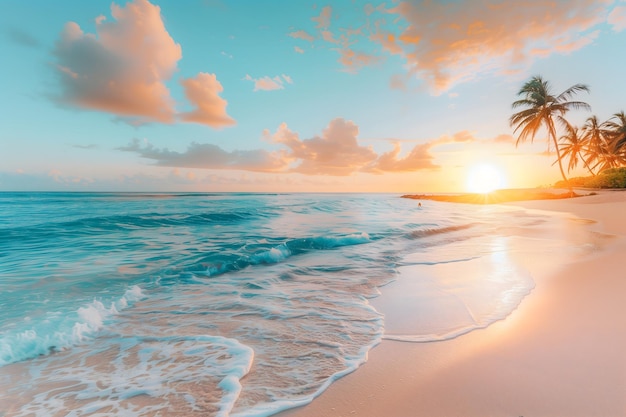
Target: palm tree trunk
{"x": 587, "y": 166}
{"x": 558, "y": 157}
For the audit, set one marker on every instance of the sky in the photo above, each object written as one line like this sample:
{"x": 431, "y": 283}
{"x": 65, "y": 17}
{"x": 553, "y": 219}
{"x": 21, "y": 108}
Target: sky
{"x": 292, "y": 96}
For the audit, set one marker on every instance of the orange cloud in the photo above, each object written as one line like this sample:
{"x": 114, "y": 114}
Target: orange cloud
{"x": 301, "y": 34}
{"x": 446, "y": 44}
{"x": 354, "y": 60}
{"x": 328, "y": 36}
{"x": 419, "y": 158}
{"x": 342, "y": 42}
{"x": 203, "y": 92}
{"x": 388, "y": 41}
{"x": 323, "y": 20}
{"x": 122, "y": 70}
{"x": 335, "y": 152}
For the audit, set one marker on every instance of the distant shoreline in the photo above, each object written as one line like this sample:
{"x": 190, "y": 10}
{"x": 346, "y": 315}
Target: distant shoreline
{"x": 498, "y": 196}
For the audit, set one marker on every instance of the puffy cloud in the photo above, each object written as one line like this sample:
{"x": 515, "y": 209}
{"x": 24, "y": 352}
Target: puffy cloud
{"x": 121, "y": 70}
{"x": 335, "y": 152}
{"x": 419, "y": 158}
{"x": 448, "y": 43}
{"x": 267, "y": 84}
{"x": 617, "y": 18}
{"x": 209, "y": 156}
{"x": 298, "y": 49}
{"x": 203, "y": 92}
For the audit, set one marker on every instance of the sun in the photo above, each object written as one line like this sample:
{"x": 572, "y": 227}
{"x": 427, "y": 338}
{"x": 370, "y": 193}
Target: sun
{"x": 484, "y": 178}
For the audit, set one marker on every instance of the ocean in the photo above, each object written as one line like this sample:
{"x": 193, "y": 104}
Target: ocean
{"x": 242, "y": 304}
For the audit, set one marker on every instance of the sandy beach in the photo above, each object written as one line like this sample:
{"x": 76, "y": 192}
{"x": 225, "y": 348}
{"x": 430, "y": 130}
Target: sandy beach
{"x": 560, "y": 353}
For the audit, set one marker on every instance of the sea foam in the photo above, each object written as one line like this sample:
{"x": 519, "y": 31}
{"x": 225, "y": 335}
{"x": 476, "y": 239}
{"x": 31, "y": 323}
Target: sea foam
{"x": 147, "y": 376}
{"x": 61, "y": 331}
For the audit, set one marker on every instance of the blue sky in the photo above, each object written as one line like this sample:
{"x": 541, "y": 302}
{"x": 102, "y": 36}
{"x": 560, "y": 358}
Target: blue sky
{"x": 290, "y": 96}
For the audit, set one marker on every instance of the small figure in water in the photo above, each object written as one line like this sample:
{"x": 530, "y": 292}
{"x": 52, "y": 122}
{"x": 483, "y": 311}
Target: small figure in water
{"x": 419, "y": 204}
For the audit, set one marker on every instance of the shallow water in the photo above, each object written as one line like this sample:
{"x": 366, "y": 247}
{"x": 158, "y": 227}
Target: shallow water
{"x": 232, "y": 304}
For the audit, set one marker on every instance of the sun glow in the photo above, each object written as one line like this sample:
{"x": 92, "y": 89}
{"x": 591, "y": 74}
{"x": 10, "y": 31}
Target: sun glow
{"x": 484, "y": 178}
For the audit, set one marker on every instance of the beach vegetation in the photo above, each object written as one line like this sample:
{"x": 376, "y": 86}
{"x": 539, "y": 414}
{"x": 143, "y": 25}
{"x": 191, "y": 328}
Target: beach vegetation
{"x": 609, "y": 178}
{"x": 598, "y": 146}
{"x": 541, "y": 108}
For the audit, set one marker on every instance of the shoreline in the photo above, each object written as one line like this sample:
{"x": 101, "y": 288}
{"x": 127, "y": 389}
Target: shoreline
{"x": 560, "y": 353}
{"x": 503, "y": 196}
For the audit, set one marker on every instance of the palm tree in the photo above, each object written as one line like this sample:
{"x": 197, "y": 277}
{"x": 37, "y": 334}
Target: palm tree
{"x": 612, "y": 156}
{"x": 616, "y": 127}
{"x": 573, "y": 144}
{"x": 606, "y": 141}
{"x": 595, "y": 134}
{"x": 541, "y": 108}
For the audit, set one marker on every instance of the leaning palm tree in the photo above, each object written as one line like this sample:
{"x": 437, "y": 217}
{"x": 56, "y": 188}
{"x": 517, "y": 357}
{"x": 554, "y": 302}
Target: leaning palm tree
{"x": 616, "y": 127}
{"x": 595, "y": 136}
{"x": 573, "y": 144}
{"x": 542, "y": 107}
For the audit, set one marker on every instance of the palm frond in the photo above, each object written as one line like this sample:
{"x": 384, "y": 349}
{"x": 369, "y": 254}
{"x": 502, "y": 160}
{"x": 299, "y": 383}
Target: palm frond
{"x": 572, "y": 91}
{"x": 577, "y": 105}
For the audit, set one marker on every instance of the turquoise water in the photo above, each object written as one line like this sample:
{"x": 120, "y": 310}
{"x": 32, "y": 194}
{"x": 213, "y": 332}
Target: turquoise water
{"x": 217, "y": 304}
